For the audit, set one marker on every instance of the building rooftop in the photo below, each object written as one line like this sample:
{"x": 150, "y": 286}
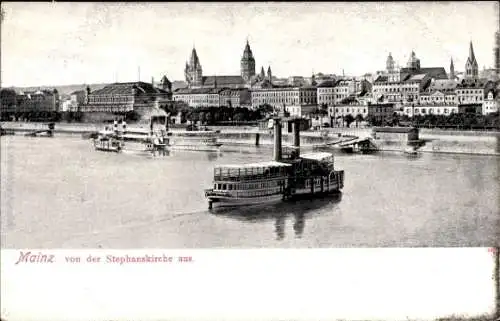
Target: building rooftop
{"x": 223, "y": 80}
{"x": 316, "y": 156}
{"x": 432, "y": 72}
{"x": 417, "y": 77}
{"x": 476, "y": 83}
{"x": 443, "y": 84}
{"x": 381, "y": 78}
{"x": 199, "y": 91}
{"x": 127, "y": 89}
{"x": 255, "y": 165}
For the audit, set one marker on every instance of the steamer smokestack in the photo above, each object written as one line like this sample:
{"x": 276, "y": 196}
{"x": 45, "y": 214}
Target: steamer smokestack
{"x": 277, "y": 140}
{"x": 296, "y": 136}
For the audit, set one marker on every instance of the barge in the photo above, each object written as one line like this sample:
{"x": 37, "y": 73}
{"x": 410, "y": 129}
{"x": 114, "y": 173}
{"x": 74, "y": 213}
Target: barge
{"x": 204, "y": 141}
{"x": 288, "y": 176}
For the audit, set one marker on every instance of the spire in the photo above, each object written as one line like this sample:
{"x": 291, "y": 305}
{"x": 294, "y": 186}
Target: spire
{"x": 247, "y": 53}
{"x": 471, "y": 52}
{"x": 452, "y": 70}
{"x": 194, "y": 58}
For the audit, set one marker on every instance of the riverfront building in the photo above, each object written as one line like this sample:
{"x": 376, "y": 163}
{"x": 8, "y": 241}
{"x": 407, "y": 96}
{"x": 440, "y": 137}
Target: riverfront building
{"x": 331, "y": 92}
{"x": 38, "y": 101}
{"x": 8, "y": 101}
{"x": 490, "y": 103}
{"x": 405, "y": 84}
{"x": 124, "y": 97}
{"x": 298, "y": 101}
{"x": 213, "y": 97}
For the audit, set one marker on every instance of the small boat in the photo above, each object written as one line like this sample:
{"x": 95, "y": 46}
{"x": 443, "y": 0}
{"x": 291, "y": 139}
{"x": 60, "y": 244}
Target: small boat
{"x": 108, "y": 143}
{"x": 410, "y": 151}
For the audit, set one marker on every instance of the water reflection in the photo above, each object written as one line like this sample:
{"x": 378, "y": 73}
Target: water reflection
{"x": 212, "y": 156}
{"x": 299, "y": 224}
{"x": 279, "y": 212}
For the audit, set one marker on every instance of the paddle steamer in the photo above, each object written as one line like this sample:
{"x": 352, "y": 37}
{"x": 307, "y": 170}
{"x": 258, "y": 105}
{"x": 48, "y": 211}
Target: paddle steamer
{"x": 289, "y": 175}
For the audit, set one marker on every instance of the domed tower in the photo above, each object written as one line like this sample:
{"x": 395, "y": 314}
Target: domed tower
{"x": 390, "y": 64}
{"x": 193, "y": 71}
{"x": 247, "y": 63}
{"x": 413, "y": 62}
{"x": 313, "y": 80}
{"x": 471, "y": 67}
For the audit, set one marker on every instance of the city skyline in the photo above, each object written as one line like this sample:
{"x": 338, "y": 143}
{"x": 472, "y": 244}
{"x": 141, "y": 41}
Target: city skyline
{"x": 72, "y": 43}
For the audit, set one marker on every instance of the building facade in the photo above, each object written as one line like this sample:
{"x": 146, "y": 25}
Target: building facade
{"x": 490, "y": 103}
{"x": 470, "y": 91}
{"x": 213, "y": 97}
{"x": 298, "y": 101}
{"x": 8, "y": 101}
{"x": 38, "y": 101}
{"x": 124, "y": 97}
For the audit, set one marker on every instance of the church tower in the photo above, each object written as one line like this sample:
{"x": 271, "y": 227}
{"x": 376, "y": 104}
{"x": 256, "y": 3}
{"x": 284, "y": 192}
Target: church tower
{"x": 262, "y": 73}
{"x": 269, "y": 74}
{"x": 413, "y": 62}
{"x": 247, "y": 64}
{"x": 390, "y": 64}
{"x": 193, "y": 71}
{"x": 471, "y": 67}
{"x": 452, "y": 70}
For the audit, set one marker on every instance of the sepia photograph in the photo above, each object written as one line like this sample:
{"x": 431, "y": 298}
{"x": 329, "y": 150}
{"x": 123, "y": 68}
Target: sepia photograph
{"x": 179, "y": 127}
{"x": 205, "y": 125}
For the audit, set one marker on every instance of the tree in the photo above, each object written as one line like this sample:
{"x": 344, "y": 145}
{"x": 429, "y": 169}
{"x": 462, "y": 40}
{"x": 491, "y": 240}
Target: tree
{"x": 239, "y": 117}
{"x": 132, "y": 115}
{"x": 348, "y": 119}
{"x": 202, "y": 117}
{"x": 369, "y": 119}
{"x": 359, "y": 118}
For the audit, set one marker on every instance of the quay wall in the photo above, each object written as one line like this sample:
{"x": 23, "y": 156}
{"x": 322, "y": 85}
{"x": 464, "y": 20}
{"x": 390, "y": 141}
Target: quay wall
{"x": 249, "y": 138}
{"x": 436, "y": 141}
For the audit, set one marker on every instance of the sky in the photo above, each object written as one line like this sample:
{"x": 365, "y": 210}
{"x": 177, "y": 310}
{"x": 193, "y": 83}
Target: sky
{"x": 54, "y": 43}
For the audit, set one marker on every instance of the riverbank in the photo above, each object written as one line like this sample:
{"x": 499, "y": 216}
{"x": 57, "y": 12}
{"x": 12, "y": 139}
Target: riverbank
{"x": 436, "y": 141}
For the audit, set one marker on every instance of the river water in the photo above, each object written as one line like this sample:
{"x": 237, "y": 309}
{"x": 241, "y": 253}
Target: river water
{"x": 60, "y": 193}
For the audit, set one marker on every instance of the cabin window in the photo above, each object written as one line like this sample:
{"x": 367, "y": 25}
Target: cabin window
{"x": 218, "y": 186}
{"x": 215, "y": 186}
{"x": 230, "y": 187}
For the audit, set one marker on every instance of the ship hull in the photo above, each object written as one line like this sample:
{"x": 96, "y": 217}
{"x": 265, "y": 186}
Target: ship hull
{"x": 196, "y": 148}
{"x": 227, "y": 201}
{"x": 221, "y": 201}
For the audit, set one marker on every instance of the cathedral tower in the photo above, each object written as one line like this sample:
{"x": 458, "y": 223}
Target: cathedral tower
{"x": 193, "y": 71}
{"x": 471, "y": 67}
{"x": 247, "y": 63}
